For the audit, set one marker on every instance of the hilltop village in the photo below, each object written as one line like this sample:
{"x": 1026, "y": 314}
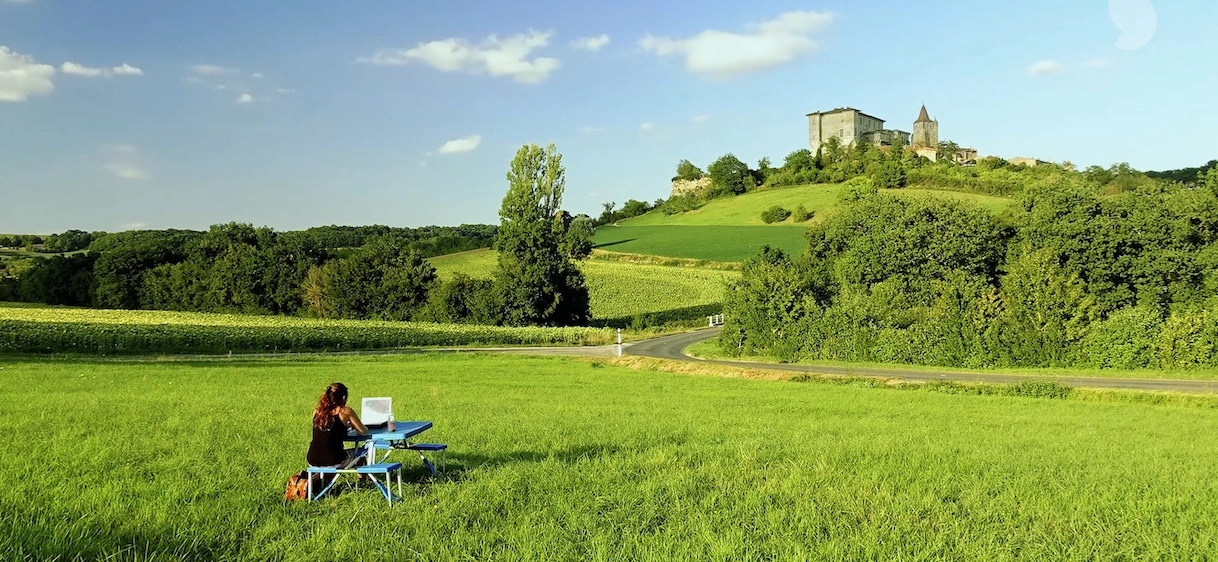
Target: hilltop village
{"x": 848, "y": 124}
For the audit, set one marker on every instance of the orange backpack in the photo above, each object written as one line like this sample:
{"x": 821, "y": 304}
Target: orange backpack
{"x": 298, "y": 487}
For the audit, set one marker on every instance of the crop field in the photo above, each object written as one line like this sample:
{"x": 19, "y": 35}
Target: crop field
{"x": 714, "y": 243}
{"x": 745, "y": 210}
{"x": 29, "y": 329}
{"x": 621, "y": 290}
{"x": 560, "y": 459}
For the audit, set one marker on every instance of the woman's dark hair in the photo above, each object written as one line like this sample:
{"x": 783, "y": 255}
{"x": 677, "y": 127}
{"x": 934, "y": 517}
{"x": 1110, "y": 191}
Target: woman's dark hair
{"x": 334, "y": 396}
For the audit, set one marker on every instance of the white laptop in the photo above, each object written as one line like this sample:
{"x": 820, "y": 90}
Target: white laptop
{"x": 375, "y": 411}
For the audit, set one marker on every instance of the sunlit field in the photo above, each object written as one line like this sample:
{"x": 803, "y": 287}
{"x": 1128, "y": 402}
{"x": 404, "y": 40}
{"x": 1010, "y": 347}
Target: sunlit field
{"x": 620, "y": 290}
{"x": 38, "y": 329}
{"x": 561, "y": 459}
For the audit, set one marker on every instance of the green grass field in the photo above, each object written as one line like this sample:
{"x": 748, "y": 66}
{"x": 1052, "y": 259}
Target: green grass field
{"x": 554, "y": 459}
{"x": 714, "y": 243}
{"x": 620, "y": 290}
{"x": 731, "y": 229}
{"x": 746, "y": 209}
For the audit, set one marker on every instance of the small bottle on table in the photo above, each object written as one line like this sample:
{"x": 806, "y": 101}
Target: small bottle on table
{"x": 390, "y": 421}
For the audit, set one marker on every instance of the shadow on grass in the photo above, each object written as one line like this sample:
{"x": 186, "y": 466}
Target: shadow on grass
{"x": 460, "y": 465}
{"x": 22, "y": 540}
{"x": 660, "y": 318}
{"x": 614, "y": 243}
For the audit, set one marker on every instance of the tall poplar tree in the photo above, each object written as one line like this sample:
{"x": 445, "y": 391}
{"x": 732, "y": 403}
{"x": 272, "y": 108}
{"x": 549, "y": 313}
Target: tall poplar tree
{"x": 537, "y": 282}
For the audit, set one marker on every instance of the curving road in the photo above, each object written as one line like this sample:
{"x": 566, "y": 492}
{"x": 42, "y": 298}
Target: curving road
{"x": 673, "y": 347}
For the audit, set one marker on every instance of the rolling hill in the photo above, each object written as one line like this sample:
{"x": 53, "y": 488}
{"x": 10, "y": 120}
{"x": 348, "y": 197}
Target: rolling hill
{"x": 731, "y": 229}
{"x": 620, "y": 291}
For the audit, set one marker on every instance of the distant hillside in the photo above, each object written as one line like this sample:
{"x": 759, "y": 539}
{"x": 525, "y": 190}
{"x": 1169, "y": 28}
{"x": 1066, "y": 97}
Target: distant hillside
{"x": 621, "y": 291}
{"x": 731, "y": 230}
{"x": 745, "y": 210}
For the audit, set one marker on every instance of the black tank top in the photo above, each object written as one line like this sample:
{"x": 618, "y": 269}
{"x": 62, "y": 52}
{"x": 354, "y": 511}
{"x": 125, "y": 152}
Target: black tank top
{"x": 326, "y": 449}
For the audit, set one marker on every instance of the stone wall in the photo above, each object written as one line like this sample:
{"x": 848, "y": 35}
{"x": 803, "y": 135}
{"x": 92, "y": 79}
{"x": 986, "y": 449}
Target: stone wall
{"x": 682, "y": 187}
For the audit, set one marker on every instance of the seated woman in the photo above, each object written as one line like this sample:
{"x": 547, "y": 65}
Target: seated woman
{"x": 331, "y": 419}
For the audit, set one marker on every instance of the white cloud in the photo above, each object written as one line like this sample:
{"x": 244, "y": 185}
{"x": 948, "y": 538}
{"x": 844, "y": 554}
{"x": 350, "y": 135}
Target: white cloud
{"x": 647, "y": 126}
{"x": 286, "y": 91}
{"x": 88, "y": 72}
{"x": 122, "y": 148}
{"x": 213, "y": 70}
{"x": 133, "y": 226}
{"x": 80, "y": 70}
{"x": 1099, "y": 63}
{"x": 723, "y": 54}
{"x": 126, "y": 170}
{"x": 461, "y": 145}
{"x": 257, "y": 75}
{"x": 590, "y": 130}
{"x": 127, "y": 70}
{"x": 1046, "y": 67}
{"x": 245, "y": 98}
{"x": 591, "y": 43}
{"x": 494, "y": 56}
{"x": 700, "y": 119}
{"x": 21, "y": 77}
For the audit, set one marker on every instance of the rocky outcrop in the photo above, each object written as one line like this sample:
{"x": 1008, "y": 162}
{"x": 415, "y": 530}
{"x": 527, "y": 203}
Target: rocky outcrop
{"x": 684, "y": 187}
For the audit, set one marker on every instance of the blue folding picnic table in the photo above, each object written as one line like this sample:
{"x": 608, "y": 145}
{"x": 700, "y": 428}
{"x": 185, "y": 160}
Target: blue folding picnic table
{"x": 383, "y": 439}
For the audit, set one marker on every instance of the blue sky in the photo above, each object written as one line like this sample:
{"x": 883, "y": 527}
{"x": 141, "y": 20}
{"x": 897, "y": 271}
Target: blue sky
{"x": 153, "y": 114}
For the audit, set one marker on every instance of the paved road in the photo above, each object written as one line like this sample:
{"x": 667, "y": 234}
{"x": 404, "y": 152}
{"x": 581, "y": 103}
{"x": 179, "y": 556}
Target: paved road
{"x": 673, "y": 347}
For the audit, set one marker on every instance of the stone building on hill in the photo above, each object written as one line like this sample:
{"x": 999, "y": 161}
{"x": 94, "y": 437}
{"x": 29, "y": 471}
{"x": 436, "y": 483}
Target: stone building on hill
{"x": 849, "y": 124}
{"x": 926, "y": 135}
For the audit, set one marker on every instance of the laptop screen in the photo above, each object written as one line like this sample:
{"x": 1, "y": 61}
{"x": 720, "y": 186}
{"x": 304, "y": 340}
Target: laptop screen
{"x": 375, "y": 411}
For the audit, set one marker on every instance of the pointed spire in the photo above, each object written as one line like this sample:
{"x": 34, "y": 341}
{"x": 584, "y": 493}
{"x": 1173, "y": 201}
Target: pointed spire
{"x": 924, "y": 117}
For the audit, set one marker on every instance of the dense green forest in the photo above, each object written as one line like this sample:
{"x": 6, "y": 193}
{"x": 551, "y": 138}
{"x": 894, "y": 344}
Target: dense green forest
{"x": 1082, "y": 271}
{"x": 228, "y": 268}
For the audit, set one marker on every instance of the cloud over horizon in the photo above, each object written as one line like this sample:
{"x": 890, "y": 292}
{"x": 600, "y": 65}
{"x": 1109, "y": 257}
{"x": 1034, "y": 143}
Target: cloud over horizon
{"x": 456, "y": 146}
{"x": 213, "y": 70}
{"x": 591, "y": 43}
{"x": 722, "y": 54}
{"x": 126, "y": 171}
{"x": 509, "y": 56}
{"x": 1046, "y": 67}
{"x": 21, "y": 77}
{"x": 89, "y": 72}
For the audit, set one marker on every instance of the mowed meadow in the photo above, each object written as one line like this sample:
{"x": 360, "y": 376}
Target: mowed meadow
{"x": 563, "y": 459}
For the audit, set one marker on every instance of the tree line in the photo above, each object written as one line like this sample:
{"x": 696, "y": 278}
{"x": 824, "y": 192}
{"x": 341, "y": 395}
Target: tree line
{"x": 332, "y": 272}
{"x": 1074, "y": 274}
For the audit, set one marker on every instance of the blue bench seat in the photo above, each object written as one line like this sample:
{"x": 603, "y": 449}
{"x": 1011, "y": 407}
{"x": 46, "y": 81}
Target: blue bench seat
{"x": 431, "y": 448}
{"x": 385, "y": 468}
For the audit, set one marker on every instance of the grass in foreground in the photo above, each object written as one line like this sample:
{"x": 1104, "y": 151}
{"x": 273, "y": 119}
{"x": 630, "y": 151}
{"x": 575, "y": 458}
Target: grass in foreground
{"x": 710, "y": 350}
{"x": 619, "y": 290}
{"x": 564, "y": 460}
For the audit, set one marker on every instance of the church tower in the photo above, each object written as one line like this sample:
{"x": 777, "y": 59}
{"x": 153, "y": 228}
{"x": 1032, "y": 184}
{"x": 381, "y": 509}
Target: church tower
{"x": 925, "y": 131}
